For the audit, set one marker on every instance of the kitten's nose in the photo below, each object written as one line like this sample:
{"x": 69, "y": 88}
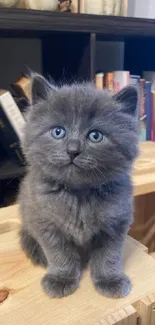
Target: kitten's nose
{"x": 73, "y": 148}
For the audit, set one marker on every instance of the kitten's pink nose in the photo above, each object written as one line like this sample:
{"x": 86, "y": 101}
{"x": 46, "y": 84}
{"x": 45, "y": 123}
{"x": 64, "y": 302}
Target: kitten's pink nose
{"x": 73, "y": 148}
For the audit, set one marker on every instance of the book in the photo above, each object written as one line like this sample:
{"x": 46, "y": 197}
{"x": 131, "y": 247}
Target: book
{"x": 93, "y": 7}
{"x": 106, "y": 7}
{"x": 148, "y": 109}
{"x": 9, "y": 142}
{"x": 138, "y": 8}
{"x": 12, "y": 112}
{"x": 75, "y": 6}
{"x": 82, "y": 6}
{"x": 142, "y": 111}
{"x": 11, "y": 126}
{"x": 124, "y": 8}
{"x": 22, "y": 87}
{"x": 153, "y": 115}
{"x": 121, "y": 79}
{"x": 141, "y": 8}
{"x": 115, "y": 81}
{"x": 135, "y": 80}
{"x": 150, "y": 76}
{"x": 99, "y": 80}
{"x": 109, "y": 82}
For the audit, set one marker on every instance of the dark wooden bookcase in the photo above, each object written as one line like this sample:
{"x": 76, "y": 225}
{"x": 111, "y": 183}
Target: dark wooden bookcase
{"x": 69, "y": 43}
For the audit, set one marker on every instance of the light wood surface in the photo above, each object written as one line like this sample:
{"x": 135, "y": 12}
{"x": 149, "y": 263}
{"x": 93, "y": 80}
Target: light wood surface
{"x": 144, "y": 170}
{"x": 23, "y": 301}
{"x": 143, "y": 228}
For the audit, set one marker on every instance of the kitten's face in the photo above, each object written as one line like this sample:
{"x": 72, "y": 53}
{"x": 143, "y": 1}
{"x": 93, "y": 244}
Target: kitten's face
{"x": 80, "y": 136}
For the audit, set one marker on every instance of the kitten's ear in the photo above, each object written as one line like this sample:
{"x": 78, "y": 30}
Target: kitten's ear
{"x": 128, "y": 97}
{"x": 40, "y": 87}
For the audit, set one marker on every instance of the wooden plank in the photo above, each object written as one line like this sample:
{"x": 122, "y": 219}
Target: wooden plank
{"x": 26, "y": 303}
{"x": 146, "y": 160}
{"x": 137, "y": 244}
{"x": 144, "y": 184}
{"x": 147, "y": 307}
{"x": 144, "y": 169}
{"x": 132, "y": 315}
{"x": 143, "y": 228}
{"x": 125, "y": 316}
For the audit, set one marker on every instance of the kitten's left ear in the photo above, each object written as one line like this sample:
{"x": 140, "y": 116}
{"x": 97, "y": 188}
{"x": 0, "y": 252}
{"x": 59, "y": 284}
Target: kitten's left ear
{"x": 40, "y": 87}
{"x": 128, "y": 97}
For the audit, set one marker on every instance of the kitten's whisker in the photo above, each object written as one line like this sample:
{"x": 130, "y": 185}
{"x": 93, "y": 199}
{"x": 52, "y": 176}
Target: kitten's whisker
{"x": 114, "y": 173}
{"x": 106, "y": 181}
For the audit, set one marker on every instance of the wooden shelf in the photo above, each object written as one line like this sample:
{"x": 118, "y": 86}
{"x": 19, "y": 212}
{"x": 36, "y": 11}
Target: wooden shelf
{"x": 15, "y": 20}
{"x": 21, "y": 293}
{"x": 144, "y": 169}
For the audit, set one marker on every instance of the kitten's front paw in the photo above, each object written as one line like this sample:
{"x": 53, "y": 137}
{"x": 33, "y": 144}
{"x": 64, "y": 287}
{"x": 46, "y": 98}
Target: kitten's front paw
{"x": 114, "y": 287}
{"x": 58, "y": 288}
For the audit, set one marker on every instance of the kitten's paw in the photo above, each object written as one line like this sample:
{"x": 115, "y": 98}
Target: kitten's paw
{"x": 58, "y": 288}
{"x": 114, "y": 287}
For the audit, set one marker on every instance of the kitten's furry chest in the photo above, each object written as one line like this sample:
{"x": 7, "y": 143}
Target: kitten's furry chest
{"x": 77, "y": 215}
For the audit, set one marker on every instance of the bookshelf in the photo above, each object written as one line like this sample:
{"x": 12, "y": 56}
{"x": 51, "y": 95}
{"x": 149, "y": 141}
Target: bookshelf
{"x": 24, "y": 21}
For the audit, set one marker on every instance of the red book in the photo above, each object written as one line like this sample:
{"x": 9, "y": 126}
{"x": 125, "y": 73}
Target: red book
{"x": 153, "y": 116}
{"x": 109, "y": 81}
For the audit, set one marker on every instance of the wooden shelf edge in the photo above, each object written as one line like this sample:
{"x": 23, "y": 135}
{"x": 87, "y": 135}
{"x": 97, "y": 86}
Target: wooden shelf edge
{"x": 46, "y": 21}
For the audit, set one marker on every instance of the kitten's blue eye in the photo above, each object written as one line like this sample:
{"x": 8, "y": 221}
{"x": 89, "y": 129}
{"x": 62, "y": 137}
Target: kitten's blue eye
{"x": 95, "y": 136}
{"x": 58, "y": 132}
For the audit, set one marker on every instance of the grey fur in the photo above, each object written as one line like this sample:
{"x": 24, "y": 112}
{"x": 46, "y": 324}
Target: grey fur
{"x": 75, "y": 214}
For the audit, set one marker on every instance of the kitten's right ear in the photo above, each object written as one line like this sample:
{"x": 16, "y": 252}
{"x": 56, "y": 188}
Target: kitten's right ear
{"x": 40, "y": 87}
{"x": 128, "y": 97}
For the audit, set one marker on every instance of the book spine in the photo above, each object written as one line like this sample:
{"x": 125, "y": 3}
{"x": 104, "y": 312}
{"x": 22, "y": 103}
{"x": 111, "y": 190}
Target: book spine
{"x": 134, "y": 80}
{"x": 82, "y": 6}
{"x": 148, "y": 109}
{"x": 152, "y": 116}
{"x": 12, "y": 113}
{"x": 9, "y": 139}
{"x": 142, "y": 111}
{"x": 121, "y": 79}
{"x": 110, "y": 81}
{"x": 99, "y": 80}
{"x": 75, "y": 6}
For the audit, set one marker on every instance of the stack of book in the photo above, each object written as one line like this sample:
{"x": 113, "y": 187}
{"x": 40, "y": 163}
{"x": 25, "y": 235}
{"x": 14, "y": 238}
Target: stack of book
{"x": 12, "y": 105}
{"x": 115, "y": 81}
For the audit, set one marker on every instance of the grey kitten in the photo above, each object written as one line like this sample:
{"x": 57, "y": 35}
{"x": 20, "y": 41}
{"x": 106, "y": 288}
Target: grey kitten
{"x": 76, "y": 199}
